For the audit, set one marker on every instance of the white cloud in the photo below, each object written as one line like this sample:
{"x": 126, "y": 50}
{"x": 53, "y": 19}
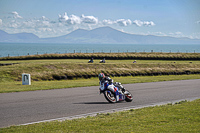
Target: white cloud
{"x": 127, "y": 22}
{"x": 36, "y": 23}
{"x": 177, "y": 34}
{"x": 28, "y": 24}
{"x": 147, "y": 23}
{"x": 120, "y": 22}
{"x": 73, "y": 19}
{"x": 159, "y": 33}
{"x": 44, "y": 18}
{"x": 138, "y": 22}
{"x": 45, "y": 24}
{"x": 63, "y": 18}
{"x": 16, "y": 15}
{"x": 122, "y": 30}
{"x": 123, "y": 22}
{"x": 195, "y": 35}
{"x": 154, "y": 33}
{"x": 107, "y": 22}
{"x": 143, "y": 23}
{"x": 12, "y": 24}
{"x": 1, "y": 22}
{"x": 45, "y": 29}
{"x": 89, "y": 19}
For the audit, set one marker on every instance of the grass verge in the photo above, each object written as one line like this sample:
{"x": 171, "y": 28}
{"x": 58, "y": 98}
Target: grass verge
{"x": 180, "y": 117}
{"x": 16, "y": 86}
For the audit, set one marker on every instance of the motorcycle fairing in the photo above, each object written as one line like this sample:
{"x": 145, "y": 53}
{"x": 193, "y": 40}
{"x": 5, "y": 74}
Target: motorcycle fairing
{"x": 119, "y": 96}
{"x": 116, "y": 93}
{"x": 111, "y": 88}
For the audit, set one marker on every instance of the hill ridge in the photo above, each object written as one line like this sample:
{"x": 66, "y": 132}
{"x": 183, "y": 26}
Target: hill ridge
{"x": 101, "y": 35}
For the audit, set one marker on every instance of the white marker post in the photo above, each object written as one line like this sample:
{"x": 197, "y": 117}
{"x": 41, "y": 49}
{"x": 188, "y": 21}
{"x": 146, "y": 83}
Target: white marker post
{"x": 26, "y": 79}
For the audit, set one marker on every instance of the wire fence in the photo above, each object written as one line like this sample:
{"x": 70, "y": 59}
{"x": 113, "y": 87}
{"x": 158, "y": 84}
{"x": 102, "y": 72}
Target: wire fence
{"x": 95, "y": 51}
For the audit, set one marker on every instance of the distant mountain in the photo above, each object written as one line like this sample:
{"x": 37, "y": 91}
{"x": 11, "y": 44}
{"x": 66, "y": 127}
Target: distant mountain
{"x": 108, "y": 35}
{"x": 18, "y": 37}
{"x": 102, "y": 35}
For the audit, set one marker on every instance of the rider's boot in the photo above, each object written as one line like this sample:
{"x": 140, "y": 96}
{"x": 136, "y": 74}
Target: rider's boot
{"x": 100, "y": 91}
{"x": 123, "y": 90}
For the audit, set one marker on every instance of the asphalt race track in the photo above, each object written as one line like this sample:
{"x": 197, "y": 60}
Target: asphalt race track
{"x": 26, "y": 107}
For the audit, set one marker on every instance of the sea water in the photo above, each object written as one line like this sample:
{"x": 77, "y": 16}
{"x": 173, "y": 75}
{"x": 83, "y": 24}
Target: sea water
{"x": 19, "y": 49}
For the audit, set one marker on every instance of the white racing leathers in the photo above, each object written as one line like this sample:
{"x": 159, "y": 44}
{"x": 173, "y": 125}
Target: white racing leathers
{"x": 104, "y": 84}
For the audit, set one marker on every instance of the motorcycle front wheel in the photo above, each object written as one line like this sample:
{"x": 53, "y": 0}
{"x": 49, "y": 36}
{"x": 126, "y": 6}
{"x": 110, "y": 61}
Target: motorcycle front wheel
{"x": 128, "y": 96}
{"x": 110, "y": 96}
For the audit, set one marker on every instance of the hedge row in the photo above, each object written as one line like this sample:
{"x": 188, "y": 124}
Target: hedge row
{"x": 111, "y": 56}
{"x": 71, "y": 77}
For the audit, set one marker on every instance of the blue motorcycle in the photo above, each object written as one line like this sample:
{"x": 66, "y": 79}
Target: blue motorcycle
{"x": 115, "y": 92}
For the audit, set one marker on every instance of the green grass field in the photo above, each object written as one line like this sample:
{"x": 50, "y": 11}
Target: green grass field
{"x": 16, "y": 86}
{"x": 181, "y": 117}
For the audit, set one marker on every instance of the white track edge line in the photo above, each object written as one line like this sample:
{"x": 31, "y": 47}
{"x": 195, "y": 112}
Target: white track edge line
{"x": 111, "y": 111}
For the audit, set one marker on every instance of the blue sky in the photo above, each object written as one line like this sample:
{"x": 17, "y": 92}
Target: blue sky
{"x": 49, "y": 18}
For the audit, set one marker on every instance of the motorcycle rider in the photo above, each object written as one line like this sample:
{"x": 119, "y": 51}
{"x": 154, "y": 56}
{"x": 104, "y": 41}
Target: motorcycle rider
{"x": 103, "y": 61}
{"x": 91, "y": 60}
{"x": 103, "y": 80}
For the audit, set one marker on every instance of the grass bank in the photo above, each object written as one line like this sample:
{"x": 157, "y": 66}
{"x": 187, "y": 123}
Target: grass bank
{"x": 67, "y": 73}
{"x": 16, "y": 86}
{"x": 180, "y": 117}
{"x": 59, "y": 69}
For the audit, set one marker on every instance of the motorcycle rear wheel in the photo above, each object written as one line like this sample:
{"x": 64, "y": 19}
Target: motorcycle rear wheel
{"x": 128, "y": 96}
{"x": 110, "y": 96}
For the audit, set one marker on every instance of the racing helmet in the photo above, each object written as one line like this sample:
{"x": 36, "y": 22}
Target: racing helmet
{"x": 101, "y": 76}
